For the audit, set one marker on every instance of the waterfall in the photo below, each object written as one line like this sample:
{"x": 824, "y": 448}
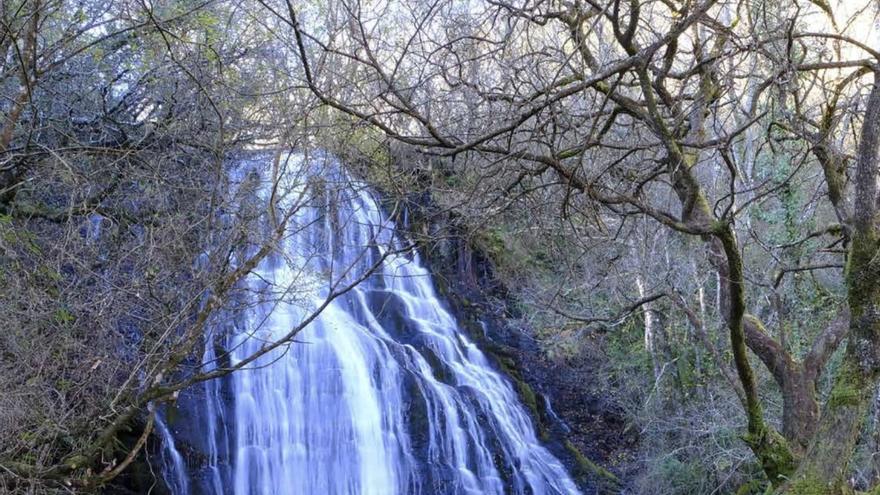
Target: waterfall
{"x": 381, "y": 394}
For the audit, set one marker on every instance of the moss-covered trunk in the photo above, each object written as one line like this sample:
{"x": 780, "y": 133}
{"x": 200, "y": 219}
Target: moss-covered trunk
{"x": 769, "y": 446}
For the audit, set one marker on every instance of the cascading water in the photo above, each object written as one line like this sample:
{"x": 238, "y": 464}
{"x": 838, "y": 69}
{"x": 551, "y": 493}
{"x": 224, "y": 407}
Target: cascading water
{"x": 380, "y": 394}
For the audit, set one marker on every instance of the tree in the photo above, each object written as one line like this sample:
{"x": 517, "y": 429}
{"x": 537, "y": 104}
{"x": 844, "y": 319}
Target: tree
{"x": 125, "y": 233}
{"x": 632, "y": 107}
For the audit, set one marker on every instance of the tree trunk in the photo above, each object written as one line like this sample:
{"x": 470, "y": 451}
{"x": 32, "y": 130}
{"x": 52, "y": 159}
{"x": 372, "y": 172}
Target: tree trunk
{"x": 800, "y": 410}
{"x": 769, "y": 446}
{"x": 825, "y": 466}
{"x": 650, "y": 332}
{"x": 826, "y": 463}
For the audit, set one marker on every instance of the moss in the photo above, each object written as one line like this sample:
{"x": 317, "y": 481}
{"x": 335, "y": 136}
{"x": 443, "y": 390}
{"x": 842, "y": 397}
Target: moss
{"x": 811, "y": 485}
{"x": 523, "y": 389}
{"x": 587, "y": 469}
{"x": 77, "y": 461}
{"x": 508, "y": 252}
{"x": 862, "y": 270}
{"x": 528, "y": 396}
{"x": 750, "y": 487}
{"x": 526, "y": 393}
{"x": 491, "y": 241}
{"x": 848, "y": 388}
{"x": 63, "y": 316}
{"x": 774, "y": 454}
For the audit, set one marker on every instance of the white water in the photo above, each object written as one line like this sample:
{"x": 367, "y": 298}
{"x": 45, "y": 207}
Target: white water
{"x": 380, "y": 395}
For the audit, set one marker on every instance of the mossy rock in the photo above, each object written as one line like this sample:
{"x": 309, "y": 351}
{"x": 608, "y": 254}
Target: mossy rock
{"x": 590, "y": 471}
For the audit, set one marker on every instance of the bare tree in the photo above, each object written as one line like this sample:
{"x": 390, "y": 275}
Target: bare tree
{"x": 125, "y": 233}
{"x": 650, "y": 109}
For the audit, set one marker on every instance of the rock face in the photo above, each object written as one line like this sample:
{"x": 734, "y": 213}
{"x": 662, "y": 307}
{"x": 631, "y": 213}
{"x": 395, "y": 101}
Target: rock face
{"x": 580, "y": 423}
{"x": 388, "y": 396}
